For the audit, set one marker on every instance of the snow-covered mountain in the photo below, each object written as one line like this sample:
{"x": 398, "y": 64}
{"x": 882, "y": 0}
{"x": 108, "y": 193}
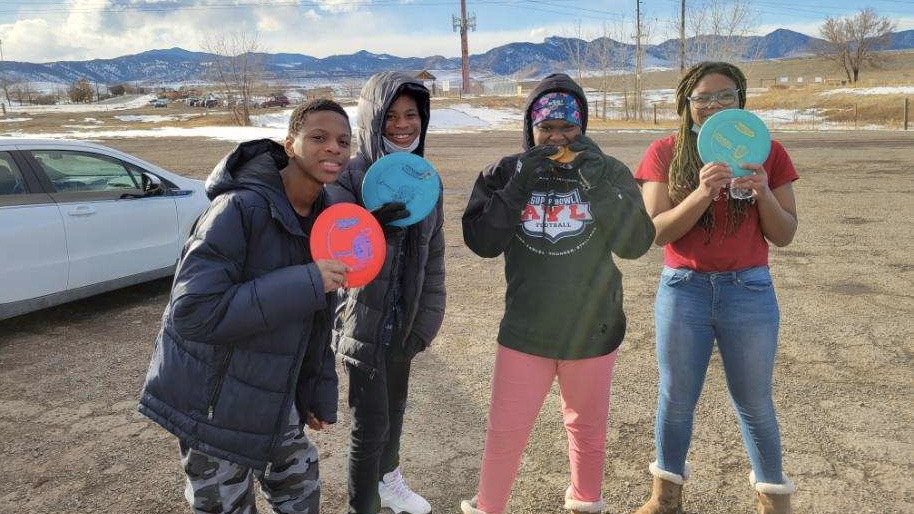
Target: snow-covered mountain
{"x": 176, "y": 65}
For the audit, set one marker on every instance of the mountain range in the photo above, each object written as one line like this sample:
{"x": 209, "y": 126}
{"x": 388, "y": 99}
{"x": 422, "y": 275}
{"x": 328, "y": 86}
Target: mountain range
{"x": 523, "y": 60}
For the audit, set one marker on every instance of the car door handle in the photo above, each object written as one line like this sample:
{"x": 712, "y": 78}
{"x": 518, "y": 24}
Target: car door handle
{"x": 82, "y": 210}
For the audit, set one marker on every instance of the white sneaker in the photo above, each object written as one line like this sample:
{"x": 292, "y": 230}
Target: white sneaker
{"x": 398, "y": 497}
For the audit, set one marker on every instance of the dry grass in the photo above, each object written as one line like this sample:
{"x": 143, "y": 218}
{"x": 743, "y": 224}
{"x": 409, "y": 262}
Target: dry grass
{"x": 887, "y": 109}
{"x": 491, "y": 102}
{"x": 807, "y": 98}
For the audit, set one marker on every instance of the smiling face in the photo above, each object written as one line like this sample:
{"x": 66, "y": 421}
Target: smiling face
{"x": 320, "y": 150}
{"x": 711, "y": 85}
{"x": 402, "y": 123}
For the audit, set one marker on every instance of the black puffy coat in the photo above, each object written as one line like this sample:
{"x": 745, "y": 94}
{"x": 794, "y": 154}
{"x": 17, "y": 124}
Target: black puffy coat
{"x": 247, "y": 328}
{"x": 415, "y": 256}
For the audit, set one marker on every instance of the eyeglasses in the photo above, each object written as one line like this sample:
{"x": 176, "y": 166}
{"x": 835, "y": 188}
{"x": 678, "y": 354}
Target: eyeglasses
{"x": 724, "y": 98}
{"x": 564, "y": 130}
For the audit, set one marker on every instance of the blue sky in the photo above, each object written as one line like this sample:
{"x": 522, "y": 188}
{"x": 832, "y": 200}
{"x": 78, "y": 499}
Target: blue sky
{"x": 51, "y": 30}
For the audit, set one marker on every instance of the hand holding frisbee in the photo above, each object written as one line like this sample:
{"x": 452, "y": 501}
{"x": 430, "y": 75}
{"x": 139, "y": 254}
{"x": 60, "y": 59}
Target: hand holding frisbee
{"x": 734, "y": 137}
{"x": 389, "y": 212}
{"x": 348, "y": 233}
{"x": 564, "y": 155}
{"x": 402, "y": 177}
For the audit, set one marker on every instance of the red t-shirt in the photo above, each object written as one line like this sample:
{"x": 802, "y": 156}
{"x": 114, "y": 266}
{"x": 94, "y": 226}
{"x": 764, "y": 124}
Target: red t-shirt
{"x": 746, "y": 247}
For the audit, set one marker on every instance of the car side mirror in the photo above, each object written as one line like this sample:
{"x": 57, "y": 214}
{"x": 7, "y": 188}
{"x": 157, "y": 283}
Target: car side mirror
{"x": 152, "y": 185}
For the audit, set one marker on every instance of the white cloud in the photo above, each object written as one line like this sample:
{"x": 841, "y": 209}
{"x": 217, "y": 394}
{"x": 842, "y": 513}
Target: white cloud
{"x": 90, "y": 29}
{"x": 338, "y": 6}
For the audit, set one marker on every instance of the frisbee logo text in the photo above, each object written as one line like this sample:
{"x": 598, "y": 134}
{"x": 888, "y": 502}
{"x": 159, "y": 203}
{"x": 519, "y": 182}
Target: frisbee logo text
{"x": 745, "y": 130}
{"x": 404, "y": 193}
{"x": 413, "y": 172}
{"x": 360, "y": 249}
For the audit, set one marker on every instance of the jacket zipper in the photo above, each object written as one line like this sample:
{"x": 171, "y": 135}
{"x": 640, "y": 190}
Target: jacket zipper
{"x": 215, "y": 396}
{"x": 394, "y": 263}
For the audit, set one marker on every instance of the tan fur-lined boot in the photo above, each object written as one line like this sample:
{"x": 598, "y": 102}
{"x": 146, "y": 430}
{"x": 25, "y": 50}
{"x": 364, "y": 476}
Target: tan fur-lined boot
{"x": 469, "y": 507}
{"x": 582, "y": 507}
{"x": 772, "y": 498}
{"x": 666, "y": 493}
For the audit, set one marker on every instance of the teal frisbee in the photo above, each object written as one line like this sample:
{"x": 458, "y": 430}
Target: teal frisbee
{"x": 734, "y": 137}
{"x": 402, "y": 177}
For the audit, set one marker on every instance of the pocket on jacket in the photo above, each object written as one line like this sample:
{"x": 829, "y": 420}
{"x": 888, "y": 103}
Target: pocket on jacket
{"x": 410, "y": 348}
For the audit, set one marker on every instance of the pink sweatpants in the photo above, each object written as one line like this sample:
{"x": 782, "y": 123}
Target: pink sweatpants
{"x": 519, "y": 387}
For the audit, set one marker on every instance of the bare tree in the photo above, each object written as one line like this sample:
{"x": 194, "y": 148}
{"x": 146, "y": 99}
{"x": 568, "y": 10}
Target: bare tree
{"x": 576, "y": 49}
{"x": 5, "y": 84}
{"x": 720, "y": 30}
{"x": 853, "y": 43}
{"x": 644, "y": 31}
{"x": 23, "y": 92}
{"x": 80, "y": 91}
{"x": 608, "y": 54}
{"x": 351, "y": 86}
{"x": 237, "y": 68}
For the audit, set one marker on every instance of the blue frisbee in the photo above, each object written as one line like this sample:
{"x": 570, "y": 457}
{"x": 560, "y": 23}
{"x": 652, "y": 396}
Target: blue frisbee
{"x": 402, "y": 177}
{"x": 734, "y": 137}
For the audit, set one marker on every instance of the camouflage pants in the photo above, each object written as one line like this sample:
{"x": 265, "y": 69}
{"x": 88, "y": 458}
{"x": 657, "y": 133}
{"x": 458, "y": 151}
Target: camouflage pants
{"x": 290, "y": 484}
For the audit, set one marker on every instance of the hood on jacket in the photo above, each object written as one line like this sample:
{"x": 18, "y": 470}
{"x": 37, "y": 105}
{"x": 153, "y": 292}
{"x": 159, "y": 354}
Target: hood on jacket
{"x": 376, "y": 98}
{"x": 251, "y": 164}
{"x": 255, "y": 165}
{"x": 556, "y": 82}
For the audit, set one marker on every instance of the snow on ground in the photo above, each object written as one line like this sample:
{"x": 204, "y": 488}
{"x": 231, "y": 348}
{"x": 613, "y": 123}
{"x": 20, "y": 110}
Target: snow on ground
{"x": 112, "y": 104}
{"x": 452, "y": 119}
{"x": 651, "y": 96}
{"x": 153, "y": 118}
{"x": 236, "y": 134}
{"x": 781, "y": 116}
{"x": 465, "y": 118}
{"x": 884, "y": 90}
{"x": 456, "y": 118}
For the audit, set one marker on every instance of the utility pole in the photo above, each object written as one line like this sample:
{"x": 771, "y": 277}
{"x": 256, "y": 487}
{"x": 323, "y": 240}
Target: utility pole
{"x": 5, "y": 91}
{"x": 638, "y": 65}
{"x": 461, "y": 25}
{"x": 682, "y": 42}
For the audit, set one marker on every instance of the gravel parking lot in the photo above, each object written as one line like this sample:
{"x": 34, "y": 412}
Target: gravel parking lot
{"x": 71, "y": 441}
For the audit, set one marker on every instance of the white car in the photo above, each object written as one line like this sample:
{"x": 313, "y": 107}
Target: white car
{"x": 78, "y": 219}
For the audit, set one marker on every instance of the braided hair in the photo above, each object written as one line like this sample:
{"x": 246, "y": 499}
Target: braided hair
{"x": 686, "y": 163}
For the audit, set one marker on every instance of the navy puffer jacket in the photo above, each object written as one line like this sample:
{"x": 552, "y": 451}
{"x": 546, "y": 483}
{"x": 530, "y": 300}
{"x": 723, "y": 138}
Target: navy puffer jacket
{"x": 247, "y": 328}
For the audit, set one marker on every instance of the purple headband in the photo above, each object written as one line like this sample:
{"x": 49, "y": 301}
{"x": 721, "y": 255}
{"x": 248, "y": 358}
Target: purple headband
{"x": 556, "y": 106}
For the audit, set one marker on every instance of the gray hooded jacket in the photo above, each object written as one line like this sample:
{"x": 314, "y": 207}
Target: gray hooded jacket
{"x": 412, "y": 278}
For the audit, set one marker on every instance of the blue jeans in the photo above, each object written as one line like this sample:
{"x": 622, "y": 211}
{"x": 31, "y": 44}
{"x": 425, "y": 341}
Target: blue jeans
{"x": 739, "y": 310}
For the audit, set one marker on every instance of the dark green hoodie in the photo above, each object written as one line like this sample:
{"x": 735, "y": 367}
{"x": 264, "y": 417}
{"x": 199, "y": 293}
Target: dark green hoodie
{"x": 564, "y": 292}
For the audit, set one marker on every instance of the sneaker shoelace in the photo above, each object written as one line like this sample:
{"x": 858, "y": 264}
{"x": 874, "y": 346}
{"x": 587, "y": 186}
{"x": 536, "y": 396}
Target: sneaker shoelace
{"x": 399, "y": 486}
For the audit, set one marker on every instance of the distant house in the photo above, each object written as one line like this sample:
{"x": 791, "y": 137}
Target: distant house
{"x": 428, "y": 80}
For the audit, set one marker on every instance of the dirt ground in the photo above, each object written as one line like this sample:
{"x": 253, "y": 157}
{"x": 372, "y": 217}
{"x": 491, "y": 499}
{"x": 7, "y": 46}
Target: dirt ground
{"x": 69, "y": 376}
